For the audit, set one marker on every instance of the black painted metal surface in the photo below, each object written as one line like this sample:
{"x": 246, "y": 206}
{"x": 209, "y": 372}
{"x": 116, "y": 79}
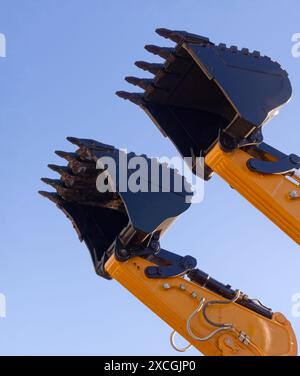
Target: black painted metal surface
{"x": 100, "y": 217}
{"x": 203, "y": 88}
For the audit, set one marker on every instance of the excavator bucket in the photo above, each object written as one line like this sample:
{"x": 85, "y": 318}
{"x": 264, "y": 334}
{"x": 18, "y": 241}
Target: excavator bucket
{"x": 202, "y": 89}
{"x": 106, "y": 196}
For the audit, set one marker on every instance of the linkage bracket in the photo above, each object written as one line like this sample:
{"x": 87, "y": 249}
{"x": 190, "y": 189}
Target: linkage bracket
{"x": 284, "y": 164}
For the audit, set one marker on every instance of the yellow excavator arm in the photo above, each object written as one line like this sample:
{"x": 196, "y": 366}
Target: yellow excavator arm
{"x": 123, "y": 236}
{"x": 212, "y": 102}
{"x": 213, "y": 325}
{"x": 275, "y": 195}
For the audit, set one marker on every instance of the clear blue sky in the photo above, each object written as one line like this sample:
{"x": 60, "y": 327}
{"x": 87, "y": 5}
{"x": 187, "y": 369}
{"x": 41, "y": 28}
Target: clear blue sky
{"x": 65, "y": 59}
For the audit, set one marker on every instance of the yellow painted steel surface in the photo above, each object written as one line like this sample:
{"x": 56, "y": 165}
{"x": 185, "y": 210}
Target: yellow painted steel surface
{"x": 175, "y": 299}
{"x": 268, "y": 193}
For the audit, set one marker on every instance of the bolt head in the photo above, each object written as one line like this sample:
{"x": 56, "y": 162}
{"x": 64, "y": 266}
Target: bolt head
{"x": 228, "y": 341}
{"x": 166, "y": 286}
{"x": 294, "y": 159}
{"x": 182, "y": 286}
{"x": 155, "y": 245}
{"x": 151, "y": 270}
{"x": 194, "y": 294}
{"x": 293, "y": 194}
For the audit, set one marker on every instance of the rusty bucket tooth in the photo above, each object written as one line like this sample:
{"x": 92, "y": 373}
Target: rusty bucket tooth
{"x": 55, "y": 183}
{"x": 76, "y": 181}
{"x": 85, "y": 154}
{"x": 73, "y": 180}
{"x": 77, "y": 192}
{"x": 136, "y": 98}
{"x": 143, "y": 83}
{"x": 74, "y": 140}
{"x": 90, "y": 154}
{"x": 76, "y": 160}
{"x": 178, "y": 36}
{"x": 89, "y": 143}
{"x": 123, "y": 94}
{"x": 60, "y": 169}
{"x": 52, "y": 196}
{"x": 74, "y": 194}
{"x": 164, "y": 52}
{"x": 83, "y": 168}
{"x": 153, "y": 68}
{"x": 169, "y": 34}
{"x": 66, "y": 155}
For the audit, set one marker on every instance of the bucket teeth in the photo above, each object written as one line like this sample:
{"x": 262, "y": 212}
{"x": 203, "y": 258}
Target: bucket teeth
{"x": 164, "y": 52}
{"x": 60, "y": 169}
{"x": 123, "y": 94}
{"x": 73, "y": 194}
{"x": 66, "y": 155}
{"x": 169, "y": 34}
{"x": 136, "y": 98}
{"x": 85, "y": 154}
{"x": 82, "y": 195}
{"x": 178, "y": 36}
{"x": 88, "y": 143}
{"x": 83, "y": 168}
{"x": 153, "y": 68}
{"x": 76, "y": 141}
{"x": 76, "y": 165}
{"x": 54, "y": 197}
{"x": 143, "y": 83}
{"x": 71, "y": 180}
{"x": 55, "y": 183}
{"x": 82, "y": 182}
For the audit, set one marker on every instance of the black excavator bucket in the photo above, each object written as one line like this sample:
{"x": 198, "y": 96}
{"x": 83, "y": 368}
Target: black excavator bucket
{"x": 203, "y": 88}
{"x": 94, "y": 192}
